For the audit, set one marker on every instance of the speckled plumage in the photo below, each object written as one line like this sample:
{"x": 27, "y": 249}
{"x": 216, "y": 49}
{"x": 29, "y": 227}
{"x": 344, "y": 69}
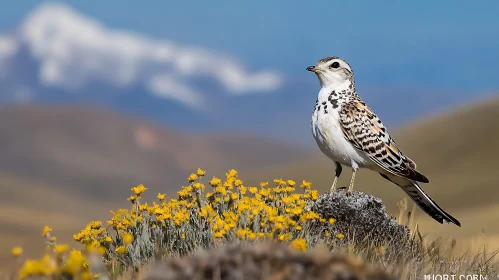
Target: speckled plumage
{"x": 350, "y": 133}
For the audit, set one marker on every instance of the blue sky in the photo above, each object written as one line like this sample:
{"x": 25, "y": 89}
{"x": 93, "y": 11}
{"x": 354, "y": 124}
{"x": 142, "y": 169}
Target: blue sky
{"x": 446, "y": 50}
{"x": 388, "y": 42}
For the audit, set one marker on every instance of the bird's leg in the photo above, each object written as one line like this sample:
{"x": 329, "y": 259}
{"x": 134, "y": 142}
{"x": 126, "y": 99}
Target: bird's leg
{"x": 336, "y": 176}
{"x": 333, "y": 187}
{"x": 350, "y": 188}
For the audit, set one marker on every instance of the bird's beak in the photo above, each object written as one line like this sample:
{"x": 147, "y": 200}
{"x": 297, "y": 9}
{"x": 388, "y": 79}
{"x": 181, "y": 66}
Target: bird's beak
{"x": 311, "y": 69}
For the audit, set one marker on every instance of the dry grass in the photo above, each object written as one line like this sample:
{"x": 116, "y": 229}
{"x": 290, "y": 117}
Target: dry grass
{"x": 266, "y": 260}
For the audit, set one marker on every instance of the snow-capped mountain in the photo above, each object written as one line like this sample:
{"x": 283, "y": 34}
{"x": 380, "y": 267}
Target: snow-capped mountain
{"x": 56, "y": 53}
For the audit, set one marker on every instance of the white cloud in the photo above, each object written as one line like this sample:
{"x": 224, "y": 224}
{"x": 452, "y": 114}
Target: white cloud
{"x": 168, "y": 86}
{"x": 74, "y": 50}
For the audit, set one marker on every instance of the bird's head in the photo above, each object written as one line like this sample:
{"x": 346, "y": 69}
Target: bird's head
{"x": 332, "y": 71}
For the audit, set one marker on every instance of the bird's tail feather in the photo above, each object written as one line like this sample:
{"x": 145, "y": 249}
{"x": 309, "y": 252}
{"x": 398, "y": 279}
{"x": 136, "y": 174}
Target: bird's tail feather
{"x": 423, "y": 200}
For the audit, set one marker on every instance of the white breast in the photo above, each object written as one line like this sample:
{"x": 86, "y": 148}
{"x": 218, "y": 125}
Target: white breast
{"x": 331, "y": 140}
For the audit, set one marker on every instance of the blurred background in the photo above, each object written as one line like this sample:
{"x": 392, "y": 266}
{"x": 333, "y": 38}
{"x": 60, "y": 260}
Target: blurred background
{"x": 99, "y": 96}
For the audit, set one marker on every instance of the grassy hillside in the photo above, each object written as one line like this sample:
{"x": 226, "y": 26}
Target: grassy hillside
{"x": 26, "y": 206}
{"x": 456, "y": 150}
{"x": 95, "y": 152}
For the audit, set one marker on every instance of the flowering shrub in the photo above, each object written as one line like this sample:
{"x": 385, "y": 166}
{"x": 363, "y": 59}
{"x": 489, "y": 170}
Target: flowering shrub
{"x": 57, "y": 261}
{"x": 227, "y": 211}
{"x": 199, "y": 217}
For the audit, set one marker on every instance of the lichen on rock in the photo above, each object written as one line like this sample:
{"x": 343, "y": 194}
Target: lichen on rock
{"x": 362, "y": 216}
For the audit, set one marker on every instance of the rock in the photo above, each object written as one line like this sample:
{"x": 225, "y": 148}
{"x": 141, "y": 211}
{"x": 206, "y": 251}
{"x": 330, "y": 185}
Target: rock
{"x": 362, "y": 216}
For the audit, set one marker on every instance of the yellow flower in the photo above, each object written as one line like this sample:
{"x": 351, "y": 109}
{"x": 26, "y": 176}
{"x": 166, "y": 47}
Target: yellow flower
{"x": 17, "y": 251}
{"x": 121, "y": 250}
{"x": 45, "y": 267}
{"x": 185, "y": 192}
{"x": 218, "y": 234}
{"x": 108, "y": 239}
{"x": 280, "y": 219}
{"x": 198, "y": 186}
{"x": 46, "y": 231}
{"x": 161, "y": 196}
{"x": 296, "y": 211}
{"x": 127, "y": 238}
{"x": 215, "y": 182}
{"x": 200, "y": 172}
{"x": 300, "y": 244}
{"x": 143, "y": 207}
{"x": 234, "y": 196}
{"x": 264, "y": 184}
{"x": 193, "y": 177}
{"x": 132, "y": 198}
{"x": 310, "y": 216}
{"x": 279, "y": 182}
{"x": 95, "y": 224}
{"x": 264, "y": 192}
{"x": 75, "y": 262}
{"x": 181, "y": 217}
{"x": 242, "y": 190}
{"x": 228, "y": 184}
{"x": 291, "y": 183}
{"x": 138, "y": 190}
{"x": 221, "y": 190}
{"x": 253, "y": 190}
{"x": 340, "y": 236}
{"x": 241, "y": 233}
{"x": 182, "y": 236}
{"x": 204, "y": 211}
{"x": 327, "y": 233}
{"x": 298, "y": 227}
{"x": 232, "y": 174}
{"x": 332, "y": 221}
{"x": 252, "y": 236}
{"x": 314, "y": 194}
{"x": 306, "y": 185}
{"x": 61, "y": 248}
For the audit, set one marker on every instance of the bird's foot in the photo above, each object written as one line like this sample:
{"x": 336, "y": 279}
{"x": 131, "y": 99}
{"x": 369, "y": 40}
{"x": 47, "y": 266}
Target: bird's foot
{"x": 342, "y": 188}
{"x": 347, "y": 190}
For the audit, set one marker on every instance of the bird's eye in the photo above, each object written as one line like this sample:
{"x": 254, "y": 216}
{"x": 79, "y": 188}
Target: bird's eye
{"x": 335, "y": 64}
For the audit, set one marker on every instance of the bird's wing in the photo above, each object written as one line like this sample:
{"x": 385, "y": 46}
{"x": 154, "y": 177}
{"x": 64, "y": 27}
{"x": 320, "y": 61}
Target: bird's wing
{"x": 365, "y": 131}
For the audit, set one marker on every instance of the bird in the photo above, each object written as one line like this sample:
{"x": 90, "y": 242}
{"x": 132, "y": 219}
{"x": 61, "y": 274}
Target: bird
{"x": 351, "y": 134}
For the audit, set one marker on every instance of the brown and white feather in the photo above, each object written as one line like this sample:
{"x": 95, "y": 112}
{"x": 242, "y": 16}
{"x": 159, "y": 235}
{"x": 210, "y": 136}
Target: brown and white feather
{"x": 365, "y": 131}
